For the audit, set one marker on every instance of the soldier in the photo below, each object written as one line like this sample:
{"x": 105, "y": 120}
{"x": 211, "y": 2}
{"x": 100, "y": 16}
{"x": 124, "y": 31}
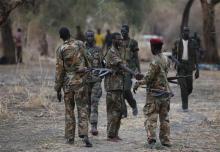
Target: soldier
{"x": 79, "y": 34}
{"x": 185, "y": 50}
{"x": 93, "y": 54}
{"x": 114, "y": 88}
{"x": 157, "y": 103}
{"x": 70, "y": 64}
{"x": 129, "y": 55}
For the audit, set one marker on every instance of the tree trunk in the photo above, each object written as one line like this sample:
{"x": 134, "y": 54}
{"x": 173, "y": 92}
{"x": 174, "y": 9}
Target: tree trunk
{"x": 209, "y": 32}
{"x": 186, "y": 13}
{"x": 8, "y": 43}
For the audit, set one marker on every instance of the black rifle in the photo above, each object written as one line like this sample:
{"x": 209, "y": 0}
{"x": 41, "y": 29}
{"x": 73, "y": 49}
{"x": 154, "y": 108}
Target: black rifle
{"x": 171, "y": 79}
{"x": 100, "y": 72}
{"x": 159, "y": 92}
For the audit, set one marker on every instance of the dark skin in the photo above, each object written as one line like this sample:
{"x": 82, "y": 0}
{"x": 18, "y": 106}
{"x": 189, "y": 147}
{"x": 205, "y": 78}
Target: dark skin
{"x": 90, "y": 39}
{"x": 185, "y": 36}
{"x": 116, "y": 43}
{"x": 125, "y": 33}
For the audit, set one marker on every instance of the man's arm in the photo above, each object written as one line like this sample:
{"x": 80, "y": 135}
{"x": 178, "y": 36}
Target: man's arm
{"x": 59, "y": 78}
{"x": 196, "y": 58}
{"x": 136, "y": 57}
{"x": 150, "y": 75}
{"x": 137, "y": 76}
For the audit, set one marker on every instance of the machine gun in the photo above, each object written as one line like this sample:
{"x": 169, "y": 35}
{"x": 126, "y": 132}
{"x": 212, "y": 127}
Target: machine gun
{"x": 171, "y": 79}
{"x": 159, "y": 93}
{"x": 100, "y": 72}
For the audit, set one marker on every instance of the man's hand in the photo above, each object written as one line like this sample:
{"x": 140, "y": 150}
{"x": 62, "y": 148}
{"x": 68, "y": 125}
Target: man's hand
{"x": 59, "y": 95}
{"x": 197, "y": 74}
{"x": 138, "y": 76}
{"x": 136, "y": 85}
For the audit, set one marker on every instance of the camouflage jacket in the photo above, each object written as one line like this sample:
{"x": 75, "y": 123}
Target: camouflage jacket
{"x": 129, "y": 54}
{"x": 93, "y": 54}
{"x": 70, "y": 57}
{"x": 114, "y": 81}
{"x": 156, "y": 77}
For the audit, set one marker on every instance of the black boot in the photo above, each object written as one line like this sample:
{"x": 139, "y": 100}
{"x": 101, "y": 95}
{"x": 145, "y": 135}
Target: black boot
{"x": 87, "y": 142}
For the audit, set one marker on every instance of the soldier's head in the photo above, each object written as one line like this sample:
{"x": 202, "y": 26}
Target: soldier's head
{"x": 108, "y": 31}
{"x": 156, "y": 45}
{"x": 90, "y": 39}
{"x": 98, "y": 31}
{"x": 64, "y": 33}
{"x": 19, "y": 30}
{"x": 125, "y": 31}
{"x": 78, "y": 28}
{"x": 185, "y": 33}
{"x": 116, "y": 39}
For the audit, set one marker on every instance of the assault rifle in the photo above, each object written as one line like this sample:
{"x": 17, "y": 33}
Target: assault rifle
{"x": 100, "y": 72}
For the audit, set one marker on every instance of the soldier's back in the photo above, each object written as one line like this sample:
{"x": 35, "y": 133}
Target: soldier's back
{"x": 72, "y": 55}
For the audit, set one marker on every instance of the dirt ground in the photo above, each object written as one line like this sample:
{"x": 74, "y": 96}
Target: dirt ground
{"x": 32, "y": 120}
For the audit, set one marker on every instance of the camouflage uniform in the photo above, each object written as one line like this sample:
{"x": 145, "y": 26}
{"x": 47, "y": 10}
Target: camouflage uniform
{"x": 93, "y": 55}
{"x": 129, "y": 54}
{"x": 70, "y": 58}
{"x": 156, "y": 79}
{"x": 114, "y": 97}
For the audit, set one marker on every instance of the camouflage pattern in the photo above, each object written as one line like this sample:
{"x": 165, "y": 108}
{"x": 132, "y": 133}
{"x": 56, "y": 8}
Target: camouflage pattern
{"x": 156, "y": 79}
{"x": 94, "y": 57}
{"x": 186, "y": 68}
{"x": 153, "y": 108}
{"x": 95, "y": 93}
{"x": 70, "y": 58}
{"x": 79, "y": 98}
{"x": 114, "y": 97}
{"x": 114, "y": 81}
{"x": 114, "y": 112}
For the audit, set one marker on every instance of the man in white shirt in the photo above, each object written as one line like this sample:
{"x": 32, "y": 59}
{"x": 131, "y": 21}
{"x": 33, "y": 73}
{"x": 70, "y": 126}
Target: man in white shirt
{"x": 185, "y": 51}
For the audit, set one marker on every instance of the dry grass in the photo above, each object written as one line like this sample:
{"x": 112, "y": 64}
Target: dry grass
{"x": 4, "y": 112}
{"x": 40, "y": 100}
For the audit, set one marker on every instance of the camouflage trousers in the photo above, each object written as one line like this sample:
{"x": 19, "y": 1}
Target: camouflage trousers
{"x": 95, "y": 93}
{"x": 114, "y": 102}
{"x": 80, "y": 99}
{"x": 154, "y": 107}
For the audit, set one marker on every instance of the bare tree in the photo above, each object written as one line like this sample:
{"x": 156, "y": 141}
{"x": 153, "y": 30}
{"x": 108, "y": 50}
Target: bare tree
{"x": 8, "y": 43}
{"x": 6, "y": 6}
{"x": 209, "y": 32}
{"x": 186, "y": 13}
